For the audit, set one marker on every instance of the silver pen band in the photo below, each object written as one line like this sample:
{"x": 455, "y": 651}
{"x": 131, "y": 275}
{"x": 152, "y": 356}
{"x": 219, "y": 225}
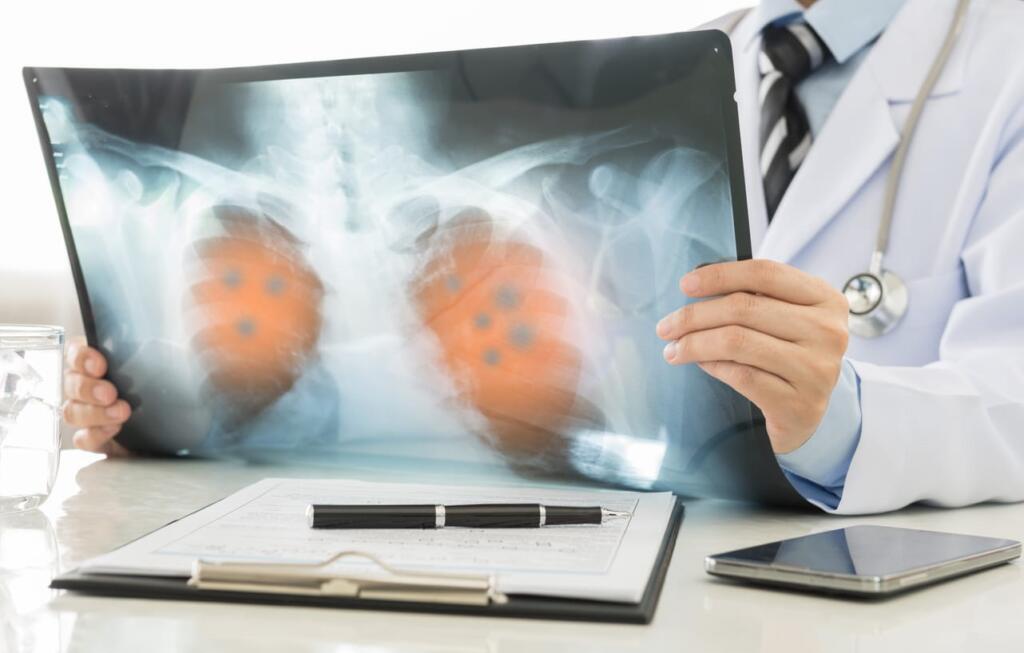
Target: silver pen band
{"x": 543, "y": 516}
{"x": 438, "y": 516}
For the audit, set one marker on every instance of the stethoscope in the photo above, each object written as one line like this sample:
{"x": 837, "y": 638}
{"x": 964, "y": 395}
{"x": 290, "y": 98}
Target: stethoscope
{"x": 878, "y": 298}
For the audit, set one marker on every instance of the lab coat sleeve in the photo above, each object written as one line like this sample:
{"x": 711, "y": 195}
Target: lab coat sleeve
{"x": 951, "y": 433}
{"x": 817, "y": 469}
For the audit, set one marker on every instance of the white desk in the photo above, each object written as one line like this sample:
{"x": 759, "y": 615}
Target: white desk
{"x": 98, "y": 505}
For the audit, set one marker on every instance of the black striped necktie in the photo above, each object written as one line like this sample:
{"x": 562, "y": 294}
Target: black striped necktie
{"x": 788, "y": 54}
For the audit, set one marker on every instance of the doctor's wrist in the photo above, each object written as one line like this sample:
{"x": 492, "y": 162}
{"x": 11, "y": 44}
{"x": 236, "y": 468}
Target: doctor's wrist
{"x": 825, "y": 457}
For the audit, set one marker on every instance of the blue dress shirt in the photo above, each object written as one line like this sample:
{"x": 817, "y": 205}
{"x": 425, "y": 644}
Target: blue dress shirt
{"x": 818, "y": 468}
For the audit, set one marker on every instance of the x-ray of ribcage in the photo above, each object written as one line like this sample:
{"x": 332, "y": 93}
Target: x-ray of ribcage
{"x": 418, "y": 266}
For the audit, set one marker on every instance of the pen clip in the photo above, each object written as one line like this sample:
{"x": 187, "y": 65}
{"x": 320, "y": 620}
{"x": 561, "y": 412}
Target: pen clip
{"x": 316, "y": 579}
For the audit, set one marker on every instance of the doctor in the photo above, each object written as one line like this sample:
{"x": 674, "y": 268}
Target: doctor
{"x": 933, "y": 409}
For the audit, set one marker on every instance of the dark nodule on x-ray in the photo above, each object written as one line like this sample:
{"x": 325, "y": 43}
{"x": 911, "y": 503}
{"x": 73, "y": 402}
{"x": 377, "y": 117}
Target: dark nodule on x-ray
{"x": 451, "y": 261}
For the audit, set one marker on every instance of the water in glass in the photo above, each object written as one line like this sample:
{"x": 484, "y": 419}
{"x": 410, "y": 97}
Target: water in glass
{"x": 31, "y": 365}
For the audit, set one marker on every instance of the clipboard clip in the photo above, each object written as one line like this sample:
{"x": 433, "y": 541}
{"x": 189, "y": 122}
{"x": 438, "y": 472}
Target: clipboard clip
{"x": 384, "y": 582}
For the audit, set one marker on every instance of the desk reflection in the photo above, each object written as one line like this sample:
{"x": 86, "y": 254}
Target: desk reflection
{"x": 101, "y": 504}
{"x": 162, "y": 626}
{"x": 29, "y": 558}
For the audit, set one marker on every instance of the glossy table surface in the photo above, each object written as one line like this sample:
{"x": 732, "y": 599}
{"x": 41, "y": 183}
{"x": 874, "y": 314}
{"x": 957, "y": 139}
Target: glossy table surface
{"x": 100, "y": 504}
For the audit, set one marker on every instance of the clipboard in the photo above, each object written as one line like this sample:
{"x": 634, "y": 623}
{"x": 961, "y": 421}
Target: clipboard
{"x": 516, "y": 605}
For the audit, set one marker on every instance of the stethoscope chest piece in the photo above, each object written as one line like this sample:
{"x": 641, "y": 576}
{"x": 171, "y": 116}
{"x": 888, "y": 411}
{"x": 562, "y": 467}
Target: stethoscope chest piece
{"x": 877, "y": 302}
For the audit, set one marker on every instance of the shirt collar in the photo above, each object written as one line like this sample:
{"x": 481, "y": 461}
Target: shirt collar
{"x": 845, "y": 26}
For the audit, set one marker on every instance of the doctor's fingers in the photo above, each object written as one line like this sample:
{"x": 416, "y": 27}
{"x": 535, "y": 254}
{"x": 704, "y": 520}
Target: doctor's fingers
{"x": 99, "y": 439}
{"x": 79, "y": 387}
{"x": 746, "y": 346}
{"x": 763, "y": 389}
{"x": 765, "y": 314}
{"x": 86, "y": 360}
{"x": 86, "y": 415}
{"x": 762, "y": 277}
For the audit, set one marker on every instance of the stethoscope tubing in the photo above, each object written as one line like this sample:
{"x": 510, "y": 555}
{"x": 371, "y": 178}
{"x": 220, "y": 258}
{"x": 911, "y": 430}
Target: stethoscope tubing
{"x": 899, "y": 160}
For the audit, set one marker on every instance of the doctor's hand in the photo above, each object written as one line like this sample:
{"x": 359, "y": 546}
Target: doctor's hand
{"x": 773, "y": 333}
{"x": 91, "y": 402}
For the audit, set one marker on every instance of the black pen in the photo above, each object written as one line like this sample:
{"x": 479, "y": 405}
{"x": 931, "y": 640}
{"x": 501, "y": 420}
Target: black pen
{"x": 483, "y": 515}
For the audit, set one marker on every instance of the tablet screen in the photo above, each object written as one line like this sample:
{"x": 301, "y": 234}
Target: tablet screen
{"x": 867, "y": 551}
{"x": 454, "y": 257}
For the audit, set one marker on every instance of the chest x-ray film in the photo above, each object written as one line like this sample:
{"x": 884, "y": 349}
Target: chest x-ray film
{"x": 453, "y": 258}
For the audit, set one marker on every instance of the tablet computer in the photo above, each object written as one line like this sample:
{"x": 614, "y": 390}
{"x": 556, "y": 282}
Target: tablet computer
{"x": 451, "y": 256}
{"x": 864, "y": 560}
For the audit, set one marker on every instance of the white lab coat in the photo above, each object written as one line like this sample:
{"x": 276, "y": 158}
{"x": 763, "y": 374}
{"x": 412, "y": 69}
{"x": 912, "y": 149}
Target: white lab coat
{"x": 943, "y": 394}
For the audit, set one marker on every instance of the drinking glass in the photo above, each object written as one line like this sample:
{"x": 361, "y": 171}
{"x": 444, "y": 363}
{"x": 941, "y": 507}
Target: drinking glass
{"x": 31, "y": 365}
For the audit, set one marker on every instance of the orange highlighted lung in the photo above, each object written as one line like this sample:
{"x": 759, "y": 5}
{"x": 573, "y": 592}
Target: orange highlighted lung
{"x": 494, "y": 306}
{"x": 259, "y": 305}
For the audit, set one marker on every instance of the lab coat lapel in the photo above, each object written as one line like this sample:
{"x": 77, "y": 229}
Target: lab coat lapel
{"x": 862, "y": 133}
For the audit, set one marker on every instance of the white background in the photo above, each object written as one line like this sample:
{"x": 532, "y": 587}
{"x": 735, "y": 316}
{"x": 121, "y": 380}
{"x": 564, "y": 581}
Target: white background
{"x": 35, "y": 281}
